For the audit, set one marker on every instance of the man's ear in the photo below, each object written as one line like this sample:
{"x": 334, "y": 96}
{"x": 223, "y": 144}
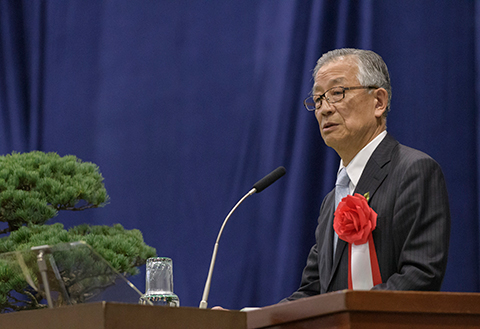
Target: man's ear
{"x": 381, "y": 101}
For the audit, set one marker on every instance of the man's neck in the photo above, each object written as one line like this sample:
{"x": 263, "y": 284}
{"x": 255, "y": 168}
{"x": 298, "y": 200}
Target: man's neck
{"x": 347, "y": 156}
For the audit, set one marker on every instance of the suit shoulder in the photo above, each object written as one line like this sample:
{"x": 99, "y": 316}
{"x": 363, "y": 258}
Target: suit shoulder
{"x": 407, "y": 153}
{"x": 407, "y": 157}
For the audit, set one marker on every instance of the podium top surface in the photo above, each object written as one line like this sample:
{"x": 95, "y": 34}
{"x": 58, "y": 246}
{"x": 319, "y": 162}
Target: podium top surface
{"x": 378, "y": 302}
{"x": 373, "y": 309}
{"x": 111, "y": 315}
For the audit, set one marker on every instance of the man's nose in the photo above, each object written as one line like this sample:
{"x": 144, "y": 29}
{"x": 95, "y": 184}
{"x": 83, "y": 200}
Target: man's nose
{"x": 325, "y": 108}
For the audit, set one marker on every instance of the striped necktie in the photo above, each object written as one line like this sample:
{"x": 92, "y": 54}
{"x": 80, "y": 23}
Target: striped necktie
{"x": 342, "y": 189}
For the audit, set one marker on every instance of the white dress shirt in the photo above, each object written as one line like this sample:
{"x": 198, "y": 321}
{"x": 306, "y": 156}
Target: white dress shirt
{"x": 357, "y": 165}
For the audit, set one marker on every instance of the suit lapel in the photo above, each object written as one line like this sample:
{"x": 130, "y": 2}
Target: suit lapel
{"x": 376, "y": 170}
{"x": 326, "y": 254}
{"x": 372, "y": 177}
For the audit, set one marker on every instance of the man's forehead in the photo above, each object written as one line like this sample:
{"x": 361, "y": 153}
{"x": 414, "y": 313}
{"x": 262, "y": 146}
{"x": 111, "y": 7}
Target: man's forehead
{"x": 336, "y": 81}
{"x": 335, "y": 73}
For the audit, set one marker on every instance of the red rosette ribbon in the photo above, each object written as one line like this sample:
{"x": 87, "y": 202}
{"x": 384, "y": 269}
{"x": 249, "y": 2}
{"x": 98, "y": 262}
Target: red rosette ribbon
{"x": 354, "y": 222}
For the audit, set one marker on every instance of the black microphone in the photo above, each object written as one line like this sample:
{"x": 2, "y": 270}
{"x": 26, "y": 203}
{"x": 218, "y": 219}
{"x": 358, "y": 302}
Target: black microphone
{"x": 269, "y": 179}
{"x": 257, "y": 188}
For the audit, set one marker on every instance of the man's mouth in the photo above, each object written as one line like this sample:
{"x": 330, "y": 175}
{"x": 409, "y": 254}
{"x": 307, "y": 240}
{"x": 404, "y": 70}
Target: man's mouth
{"x": 328, "y": 125}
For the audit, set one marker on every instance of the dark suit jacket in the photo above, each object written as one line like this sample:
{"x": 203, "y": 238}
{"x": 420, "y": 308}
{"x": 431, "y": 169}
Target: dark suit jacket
{"x": 408, "y": 192}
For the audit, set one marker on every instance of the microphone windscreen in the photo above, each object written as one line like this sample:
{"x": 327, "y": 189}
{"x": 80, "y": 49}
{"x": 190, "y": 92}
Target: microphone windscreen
{"x": 269, "y": 179}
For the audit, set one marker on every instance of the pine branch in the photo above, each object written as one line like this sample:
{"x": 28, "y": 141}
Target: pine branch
{"x": 76, "y": 208}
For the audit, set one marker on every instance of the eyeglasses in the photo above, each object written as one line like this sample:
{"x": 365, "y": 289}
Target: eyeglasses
{"x": 332, "y": 95}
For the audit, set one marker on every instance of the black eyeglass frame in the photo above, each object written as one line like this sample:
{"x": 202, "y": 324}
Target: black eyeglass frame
{"x": 322, "y": 96}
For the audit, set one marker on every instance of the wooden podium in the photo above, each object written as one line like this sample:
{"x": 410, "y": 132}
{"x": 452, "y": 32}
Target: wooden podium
{"x": 373, "y": 309}
{"x": 107, "y": 315}
{"x": 343, "y": 309}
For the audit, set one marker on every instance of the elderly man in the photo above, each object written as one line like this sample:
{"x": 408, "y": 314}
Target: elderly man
{"x": 403, "y": 190}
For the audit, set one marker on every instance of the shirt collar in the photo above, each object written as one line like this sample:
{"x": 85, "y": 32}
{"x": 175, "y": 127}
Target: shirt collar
{"x": 356, "y": 166}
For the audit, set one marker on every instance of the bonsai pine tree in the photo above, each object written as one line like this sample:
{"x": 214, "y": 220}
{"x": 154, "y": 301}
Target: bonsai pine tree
{"x": 34, "y": 186}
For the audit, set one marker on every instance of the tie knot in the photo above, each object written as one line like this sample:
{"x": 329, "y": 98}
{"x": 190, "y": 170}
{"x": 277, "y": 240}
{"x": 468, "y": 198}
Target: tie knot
{"x": 342, "y": 179}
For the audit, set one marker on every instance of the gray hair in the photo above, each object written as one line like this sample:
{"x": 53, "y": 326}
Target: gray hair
{"x": 372, "y": 70}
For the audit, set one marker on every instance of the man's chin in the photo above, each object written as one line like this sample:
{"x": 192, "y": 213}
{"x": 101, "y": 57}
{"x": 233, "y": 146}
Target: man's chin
{"x": 331, "y": 141}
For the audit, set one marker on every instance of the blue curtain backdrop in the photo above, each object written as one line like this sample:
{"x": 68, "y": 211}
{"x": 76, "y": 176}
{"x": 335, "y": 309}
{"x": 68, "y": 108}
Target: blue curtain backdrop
{"x": 185, "y": 104}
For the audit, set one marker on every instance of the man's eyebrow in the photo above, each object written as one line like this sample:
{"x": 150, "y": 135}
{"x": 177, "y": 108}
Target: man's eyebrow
{"x": 337, "y": 80}
{"x": 331, "y": 83}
